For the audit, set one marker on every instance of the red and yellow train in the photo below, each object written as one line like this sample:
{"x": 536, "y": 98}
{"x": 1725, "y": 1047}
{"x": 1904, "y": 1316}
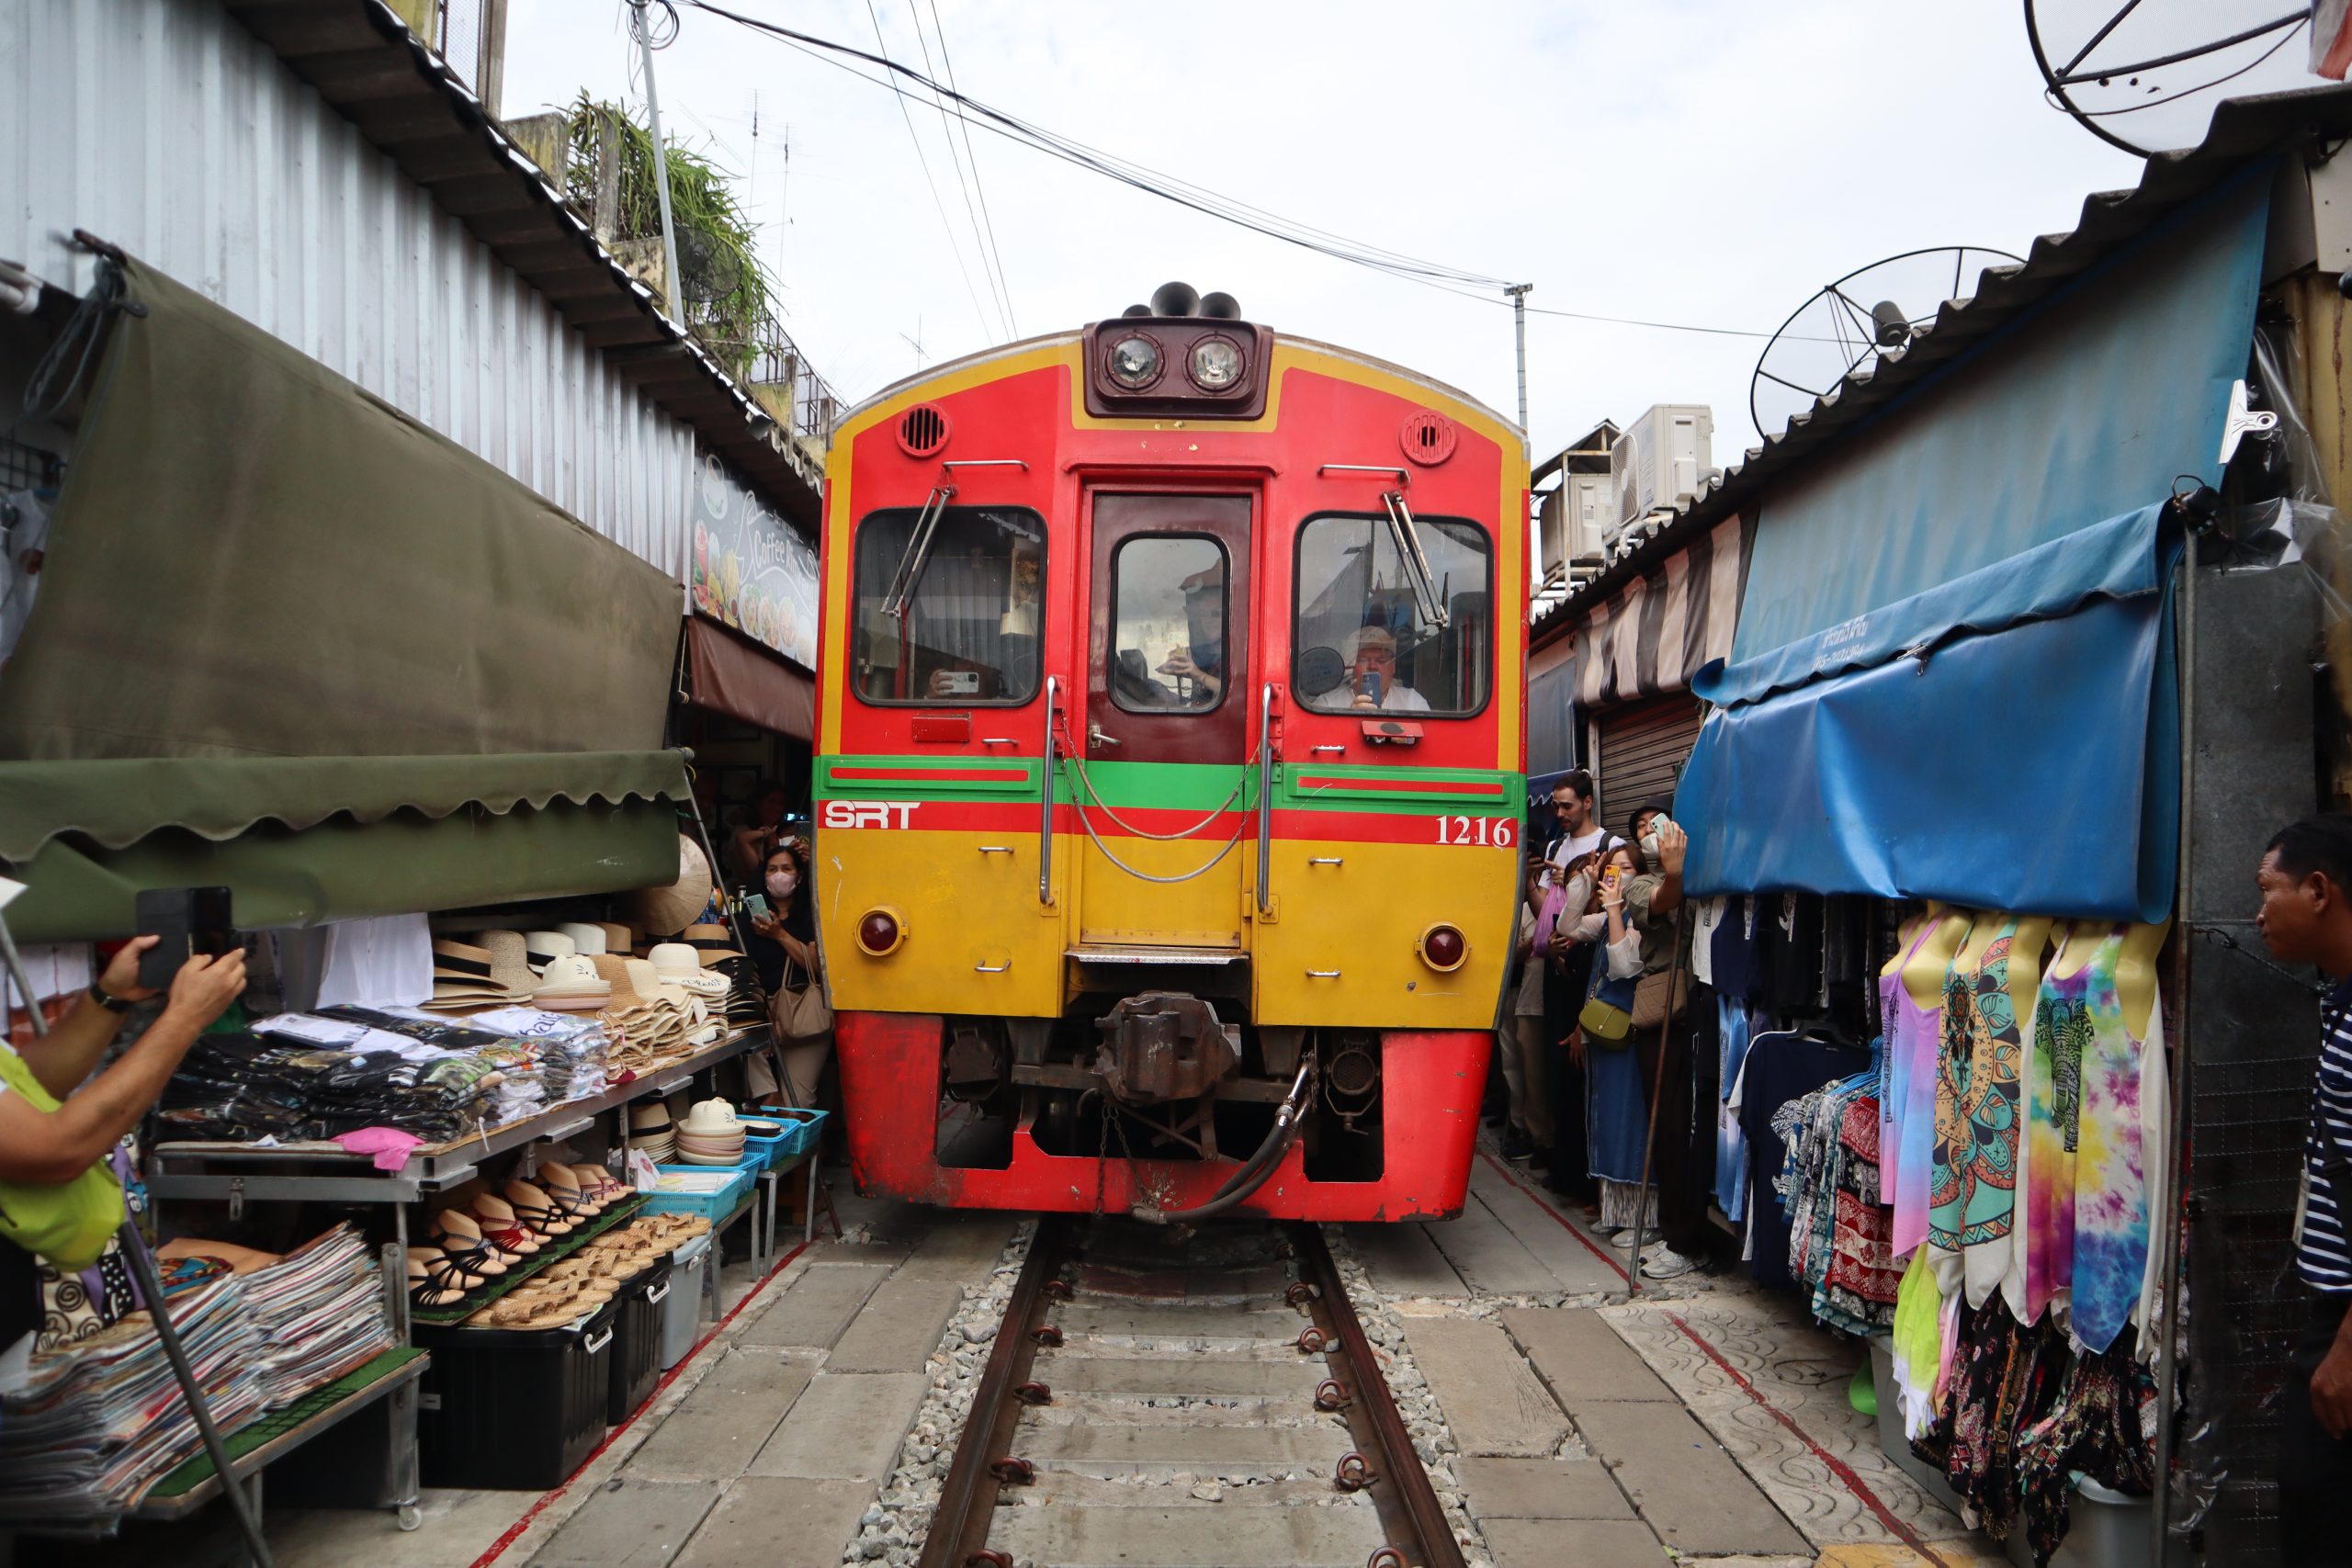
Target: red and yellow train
{"x": 1168, "y": 773}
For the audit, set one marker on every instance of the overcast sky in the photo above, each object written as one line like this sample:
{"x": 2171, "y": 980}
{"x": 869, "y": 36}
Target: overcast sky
{"x": 1709, "y": 162}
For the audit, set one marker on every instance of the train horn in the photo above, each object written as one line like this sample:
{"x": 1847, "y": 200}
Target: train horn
{"x": 1222, "y": 306}
{"x": 1174, "y": 300}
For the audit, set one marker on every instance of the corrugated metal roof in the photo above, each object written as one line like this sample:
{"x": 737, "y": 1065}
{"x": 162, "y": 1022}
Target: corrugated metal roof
{"x": 2243, "y": 131}
{"x": 369, "y": 68}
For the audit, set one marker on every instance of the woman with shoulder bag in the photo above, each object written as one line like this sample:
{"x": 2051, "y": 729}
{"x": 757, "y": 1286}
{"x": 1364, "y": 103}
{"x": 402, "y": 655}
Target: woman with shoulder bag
{"x": 783, "y": 946}
{"x": 1641, "y": 938}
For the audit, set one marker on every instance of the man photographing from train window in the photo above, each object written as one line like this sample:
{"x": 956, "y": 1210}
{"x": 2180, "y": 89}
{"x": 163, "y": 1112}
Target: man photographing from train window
{"x": 1203, "y": 661}
{"x": 1375, "y": 674}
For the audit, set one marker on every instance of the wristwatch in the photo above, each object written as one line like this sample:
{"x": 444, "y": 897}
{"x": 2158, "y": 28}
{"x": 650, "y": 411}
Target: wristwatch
{"x": 111, "y": 1003}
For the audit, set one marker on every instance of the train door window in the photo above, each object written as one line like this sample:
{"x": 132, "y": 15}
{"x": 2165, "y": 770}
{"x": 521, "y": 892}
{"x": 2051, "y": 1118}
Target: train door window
{"x": 1170, "y": 593}
{"x": 975, "y": 606}
{"x": 1362, "y": 640}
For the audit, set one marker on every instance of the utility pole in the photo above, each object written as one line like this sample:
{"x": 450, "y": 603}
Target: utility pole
{"x": 676, "y": 285}
{"x": 1518, "y": 292}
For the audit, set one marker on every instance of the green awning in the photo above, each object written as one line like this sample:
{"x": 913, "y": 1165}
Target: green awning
{"x": 252, "y": 557}
{"x": 341, "y": 869}
{"x": 115, "y": 802}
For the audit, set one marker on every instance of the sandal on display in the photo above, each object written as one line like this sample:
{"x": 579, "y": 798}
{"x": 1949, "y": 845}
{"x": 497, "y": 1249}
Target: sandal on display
{"x": 597, "y": 1179}
{"x": 502, "y": 1229}
{"x": 422, "y": 1291}
{"x": 446, "y": 1272}
{"x": 560, "y": 1184}
{"x": 535, "y": 1209}
{"x": 458, "y": 1234}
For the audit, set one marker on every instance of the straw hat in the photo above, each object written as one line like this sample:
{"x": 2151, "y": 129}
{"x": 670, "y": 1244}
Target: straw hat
{"x": 586, "y": 940}
{"x": 616, "y": 973}
{"x": 619, "y": 938}
{"x": 510, "y": 960}
{"x": 678, "y": 964}
{"x": 571, "y": 982}
{"x": 712, "y": 1118}
{"x": 670, "y": 909}
{"x": 544, "y": 947}
{"x": 713, "y": 943}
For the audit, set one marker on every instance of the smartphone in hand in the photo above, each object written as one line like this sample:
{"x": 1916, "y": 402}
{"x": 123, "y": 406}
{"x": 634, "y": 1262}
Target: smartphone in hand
{"x": 755, "y": 905}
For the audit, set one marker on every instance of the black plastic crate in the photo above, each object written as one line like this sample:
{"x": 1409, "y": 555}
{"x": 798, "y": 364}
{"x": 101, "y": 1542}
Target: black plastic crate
{"x": 637, "y": 1343}
{"x": 515, "y": 1410}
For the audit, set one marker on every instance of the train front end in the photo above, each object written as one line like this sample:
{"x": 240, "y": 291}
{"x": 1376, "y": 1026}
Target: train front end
{"x": 1168, "y": 774}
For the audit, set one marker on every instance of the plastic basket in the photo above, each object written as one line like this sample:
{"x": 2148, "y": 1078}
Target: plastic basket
{"x": 687, "y": 1189}
{"x": 802, "y": 1129}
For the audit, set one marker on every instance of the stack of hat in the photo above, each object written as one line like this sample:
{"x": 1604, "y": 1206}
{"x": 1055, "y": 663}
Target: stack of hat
{"x": 570, "y": 984}
{"x": 711, "y": 1134}
{"x": 650, "y": 1132}
{"x": 587, "y": 940}
{"x": 746, "y": 1006}
{"x": 466, "y": 978}
{"x": 544, "y": 948}
{"x": 681, "y": 966}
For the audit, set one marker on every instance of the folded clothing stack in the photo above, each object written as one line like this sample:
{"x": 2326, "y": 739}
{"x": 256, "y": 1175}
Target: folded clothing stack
{"x": 97, "y": 1422}
{"x": 297, "y": 1076}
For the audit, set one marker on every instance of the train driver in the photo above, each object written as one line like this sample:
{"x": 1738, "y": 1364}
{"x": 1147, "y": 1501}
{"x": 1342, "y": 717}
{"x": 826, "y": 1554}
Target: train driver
{"x": 1375, "y": 674}
{"x": 1204, "y": 658}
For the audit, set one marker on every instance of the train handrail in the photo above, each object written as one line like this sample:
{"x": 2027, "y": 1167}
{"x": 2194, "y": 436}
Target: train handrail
{"x": 1266, "y": 795}
{"x": 1046, "y": 821}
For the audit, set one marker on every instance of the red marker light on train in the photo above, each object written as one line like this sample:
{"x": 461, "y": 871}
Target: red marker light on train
{"x": 879, "y": 932}
{"x": 1444, "y": 948}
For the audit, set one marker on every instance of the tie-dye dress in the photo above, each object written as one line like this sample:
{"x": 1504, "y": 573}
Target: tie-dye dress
{"x": 1972, "y": 1194}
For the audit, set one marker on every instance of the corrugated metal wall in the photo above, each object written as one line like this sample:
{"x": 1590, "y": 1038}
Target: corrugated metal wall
{"x": 164, "y": 127}
{"x": 1643, "y": 749}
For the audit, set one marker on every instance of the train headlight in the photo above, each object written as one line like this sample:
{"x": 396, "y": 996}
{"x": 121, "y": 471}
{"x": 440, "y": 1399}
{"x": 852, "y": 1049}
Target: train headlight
{"x": 880, "y": 933}
{"x": 1444, "y": 947}
{"x": 1136, "y": 362}
{"x": 1215, "y": 364}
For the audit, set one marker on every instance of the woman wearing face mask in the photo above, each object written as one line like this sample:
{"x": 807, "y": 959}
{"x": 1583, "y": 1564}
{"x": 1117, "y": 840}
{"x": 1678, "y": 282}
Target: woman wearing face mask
{"x": 1640, "y": 940}
{"x": 782, "y": 945}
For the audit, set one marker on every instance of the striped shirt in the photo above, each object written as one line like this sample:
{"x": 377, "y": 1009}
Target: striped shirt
{"x": 2324, "y": 1246}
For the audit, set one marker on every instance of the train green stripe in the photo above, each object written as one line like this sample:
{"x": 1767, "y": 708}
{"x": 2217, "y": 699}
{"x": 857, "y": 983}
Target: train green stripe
{"x": 1187, "y": 786}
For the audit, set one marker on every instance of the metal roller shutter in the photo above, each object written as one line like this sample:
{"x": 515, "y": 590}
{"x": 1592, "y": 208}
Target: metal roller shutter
{"x": 1643, "y": 749}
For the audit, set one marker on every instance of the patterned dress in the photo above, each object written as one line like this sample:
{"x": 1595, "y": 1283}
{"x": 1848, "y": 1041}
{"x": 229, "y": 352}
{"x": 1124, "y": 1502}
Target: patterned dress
{"x": 1972, "y": 1185}
{"x": 2062, "y": 1029}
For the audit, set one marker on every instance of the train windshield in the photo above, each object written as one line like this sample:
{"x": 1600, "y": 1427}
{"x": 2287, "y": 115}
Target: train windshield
{"x": 1362, "y": 640}
{"x": 974, "y": 612}
{"x": 1168, "y": 637}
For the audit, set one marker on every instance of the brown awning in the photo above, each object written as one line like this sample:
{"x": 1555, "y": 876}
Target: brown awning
{"x": 729, "y": 674}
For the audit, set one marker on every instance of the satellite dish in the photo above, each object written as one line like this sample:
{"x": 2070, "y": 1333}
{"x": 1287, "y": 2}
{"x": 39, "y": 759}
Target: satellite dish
{"x": 712, "y": 269}
{"x": 2144, "y": 75}
{"x": 1847, "y": 324}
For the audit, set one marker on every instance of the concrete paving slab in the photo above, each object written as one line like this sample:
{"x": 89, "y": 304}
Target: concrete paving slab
{"x": 457, "y": 1527}
{"x": 1178, "y": 1377}
{"x": 1540, "y": 1489}
{"x": 1489, "y": 1258}
{"x": 1577, "y": 1264}
{"x": 1203, "y": 1535}
{"x": 1491, "y": 1397}
{"x": 1587, "y": 1543}
{"x": 1580, "y": 1356}
{"x": 898, "y": 1328}
{"x": 961, "y": 1249}
{"x": 1690, "y": 1491}
{"x": 1180, "y": 1323}
{"x": 845, "y": 1426}
{"x": 1404, "y": 1261}
{"x": 717, "y": 1430}
{"x": 1232, "y": 1453}
{"x": 813, "y": 1311}
{"x": 773, "y": 1522}
{"x": 639, "y": 1524}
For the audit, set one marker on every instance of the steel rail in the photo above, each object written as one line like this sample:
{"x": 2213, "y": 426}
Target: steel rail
{"x": 1435, "y": 1547}
{"x": 960, "y": 1525}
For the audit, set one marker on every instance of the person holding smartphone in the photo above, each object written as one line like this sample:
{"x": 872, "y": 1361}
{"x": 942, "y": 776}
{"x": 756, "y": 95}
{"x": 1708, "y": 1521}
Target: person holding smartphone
{"x": 57, "y": 1120}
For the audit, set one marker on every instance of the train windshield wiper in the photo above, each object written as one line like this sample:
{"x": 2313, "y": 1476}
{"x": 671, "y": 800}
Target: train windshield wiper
{"x": 908, "y": 575}
{"x": 1416, "y": 565}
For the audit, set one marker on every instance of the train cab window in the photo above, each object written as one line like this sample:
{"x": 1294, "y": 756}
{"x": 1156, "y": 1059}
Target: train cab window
{"x": 1362, "y": 640}
{"x": 974, "y": 596}
{"x": 1167, "y": 627}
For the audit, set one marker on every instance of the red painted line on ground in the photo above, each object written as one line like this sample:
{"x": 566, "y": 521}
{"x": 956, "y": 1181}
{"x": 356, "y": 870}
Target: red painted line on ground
{"x": 1542, "y": 1202}
{"x": 515, "y": 1531}
{"x": 1836, "y": 1466}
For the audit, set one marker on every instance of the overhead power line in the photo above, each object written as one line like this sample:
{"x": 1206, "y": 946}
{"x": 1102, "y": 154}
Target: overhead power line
{"x": 972, "y": 112}
{"x": 957, "y": 250}
{"x": 987, "y": 218}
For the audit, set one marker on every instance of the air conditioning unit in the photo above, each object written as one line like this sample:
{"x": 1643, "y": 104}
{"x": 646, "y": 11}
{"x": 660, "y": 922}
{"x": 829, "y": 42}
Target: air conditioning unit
{"x": 1663, "y": 457}
{"x": 1575, "y": 519}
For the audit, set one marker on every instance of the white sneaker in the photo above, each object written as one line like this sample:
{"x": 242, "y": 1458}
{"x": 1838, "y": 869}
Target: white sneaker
{"x": 1662, "y": 1262}
{"x": 1625, "y": 1235}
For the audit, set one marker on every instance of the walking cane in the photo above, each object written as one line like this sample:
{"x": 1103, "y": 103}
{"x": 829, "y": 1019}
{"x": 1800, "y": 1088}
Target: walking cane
{"x": 150, "y": 1291}
{"x": 1658, "y": 1092}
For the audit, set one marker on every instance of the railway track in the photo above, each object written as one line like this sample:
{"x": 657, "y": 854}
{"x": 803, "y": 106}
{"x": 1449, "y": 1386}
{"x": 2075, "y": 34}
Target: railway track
{"x": 1163, "y": 1403}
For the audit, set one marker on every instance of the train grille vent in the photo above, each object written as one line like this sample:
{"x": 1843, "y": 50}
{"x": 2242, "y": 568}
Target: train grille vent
{"x": 923, "y": 431}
